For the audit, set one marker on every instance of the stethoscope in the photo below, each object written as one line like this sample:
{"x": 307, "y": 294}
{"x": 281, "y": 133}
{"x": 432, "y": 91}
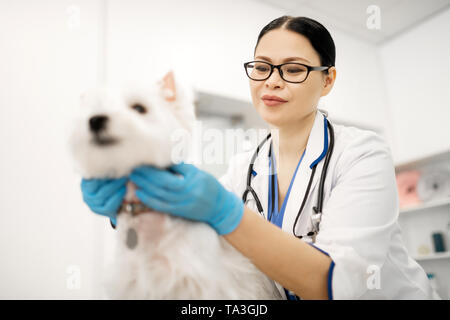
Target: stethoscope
{"x": 316, "y": 217}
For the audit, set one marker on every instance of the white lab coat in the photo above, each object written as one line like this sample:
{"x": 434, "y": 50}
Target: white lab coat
{"x": 359, "y": 228}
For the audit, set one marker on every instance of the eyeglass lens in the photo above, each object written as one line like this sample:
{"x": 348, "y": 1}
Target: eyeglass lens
{"x": 290, "y": 71}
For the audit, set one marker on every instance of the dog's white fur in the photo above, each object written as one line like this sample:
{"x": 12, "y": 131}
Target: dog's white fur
{"x": 174, "y": 258}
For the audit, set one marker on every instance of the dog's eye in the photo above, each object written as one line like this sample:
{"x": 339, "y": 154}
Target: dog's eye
{"x": 139, "y": 108}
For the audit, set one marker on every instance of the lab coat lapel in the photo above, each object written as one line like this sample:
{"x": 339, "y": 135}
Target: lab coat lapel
{"x": 315, "y": 151}
{"x": 260, "y": 181}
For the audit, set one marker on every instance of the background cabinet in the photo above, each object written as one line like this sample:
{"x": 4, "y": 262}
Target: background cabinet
{"x": 419, "y": 222}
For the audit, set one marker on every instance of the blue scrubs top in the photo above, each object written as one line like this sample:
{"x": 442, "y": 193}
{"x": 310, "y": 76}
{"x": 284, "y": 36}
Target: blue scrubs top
{"x": 275, "y": 215}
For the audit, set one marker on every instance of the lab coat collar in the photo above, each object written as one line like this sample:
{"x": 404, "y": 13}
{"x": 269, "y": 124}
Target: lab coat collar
{"x": 316, "y": 149}
{"x": 317, "y": 145}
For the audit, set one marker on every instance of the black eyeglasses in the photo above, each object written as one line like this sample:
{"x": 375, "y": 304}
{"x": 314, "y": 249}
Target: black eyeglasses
{"x": 290, "y": 72}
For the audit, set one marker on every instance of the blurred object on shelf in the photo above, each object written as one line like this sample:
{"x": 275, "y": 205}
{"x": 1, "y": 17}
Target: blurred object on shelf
{"x": 407, "y": 188}
{"x": 448, "y": 234}
{"x": 438, "y": 242}
{"x": 434, "y": 185}
{"x": 423, "y": 250}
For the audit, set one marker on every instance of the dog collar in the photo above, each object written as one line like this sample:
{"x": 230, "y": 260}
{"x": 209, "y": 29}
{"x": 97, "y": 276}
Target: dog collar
{"x": 131, "y": 203}
{"x": 134, "y": 208}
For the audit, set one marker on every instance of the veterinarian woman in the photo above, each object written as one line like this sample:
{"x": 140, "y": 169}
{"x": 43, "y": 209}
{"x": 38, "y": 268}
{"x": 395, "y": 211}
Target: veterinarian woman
{"x": 352, "y": 248}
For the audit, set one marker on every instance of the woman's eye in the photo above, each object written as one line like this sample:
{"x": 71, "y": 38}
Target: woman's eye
{"x": 262, "y": 69}
{"x": 139, "y": 108}
{"x": 295, "y": 70}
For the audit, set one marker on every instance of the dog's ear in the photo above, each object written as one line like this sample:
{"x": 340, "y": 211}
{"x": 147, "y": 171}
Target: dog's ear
{"x": 180, "y": 98}
{"x": 168, "y": 87}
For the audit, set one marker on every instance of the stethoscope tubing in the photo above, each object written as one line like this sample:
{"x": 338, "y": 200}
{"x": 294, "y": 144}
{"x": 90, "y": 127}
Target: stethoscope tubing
{"x": 317, "y": 209}
{"x": 249, "y": 177}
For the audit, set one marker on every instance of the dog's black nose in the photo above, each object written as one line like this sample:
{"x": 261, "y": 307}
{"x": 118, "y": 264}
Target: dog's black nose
{"x": 98, "y": 122}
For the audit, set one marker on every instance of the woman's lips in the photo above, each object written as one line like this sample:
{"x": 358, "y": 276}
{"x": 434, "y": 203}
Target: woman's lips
{"x": 272, "y": 103}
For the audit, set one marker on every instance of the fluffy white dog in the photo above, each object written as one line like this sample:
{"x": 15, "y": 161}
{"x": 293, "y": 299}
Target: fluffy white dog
{"x": 158, "y": 256}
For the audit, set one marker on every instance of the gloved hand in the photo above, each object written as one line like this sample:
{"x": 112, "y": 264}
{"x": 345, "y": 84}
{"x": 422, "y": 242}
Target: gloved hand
{"x": 104, "y": 196}
{"x": 190, "y": 193}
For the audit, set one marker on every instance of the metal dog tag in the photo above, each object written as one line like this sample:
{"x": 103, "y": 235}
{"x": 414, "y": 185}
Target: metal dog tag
{"x": 132, "y": 239}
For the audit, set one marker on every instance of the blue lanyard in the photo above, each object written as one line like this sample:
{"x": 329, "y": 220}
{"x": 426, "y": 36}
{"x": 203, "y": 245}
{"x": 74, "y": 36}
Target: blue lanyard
{"x": 274, "y": 216}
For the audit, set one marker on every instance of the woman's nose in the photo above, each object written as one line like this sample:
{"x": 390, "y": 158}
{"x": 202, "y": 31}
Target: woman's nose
{"x": 275, "y": 79}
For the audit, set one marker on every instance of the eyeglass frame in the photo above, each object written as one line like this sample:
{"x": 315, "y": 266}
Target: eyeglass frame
{"x": 309, "y": 68}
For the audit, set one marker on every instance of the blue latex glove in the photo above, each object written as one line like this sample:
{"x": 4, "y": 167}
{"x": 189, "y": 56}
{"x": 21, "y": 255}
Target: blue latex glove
{"x": 190, "y": 193}
{"x": 104, "y": 196}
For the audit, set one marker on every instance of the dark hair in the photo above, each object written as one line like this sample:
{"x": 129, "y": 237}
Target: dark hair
{"x": 315, "y": 32}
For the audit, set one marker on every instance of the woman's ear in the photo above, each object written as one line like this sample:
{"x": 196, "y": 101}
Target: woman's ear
{"x": 329, "y": 81}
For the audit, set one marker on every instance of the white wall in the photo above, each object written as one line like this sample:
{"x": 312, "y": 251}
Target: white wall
{"x": 46, "y": 64}
{"x": 196, "y": 38}
{"x": 44, "y": 228}
{"x": 358, "y": 96}
{"x": 417, "y": 75}
{"x": 193, "y": 36}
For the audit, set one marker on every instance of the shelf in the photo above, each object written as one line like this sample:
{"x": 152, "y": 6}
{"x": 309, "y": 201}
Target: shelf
{"x": 433, "y": 256}
{"x": 218, "y": 105}
{"x": 441, "y": 157}
{"x": 426, "y": 206}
